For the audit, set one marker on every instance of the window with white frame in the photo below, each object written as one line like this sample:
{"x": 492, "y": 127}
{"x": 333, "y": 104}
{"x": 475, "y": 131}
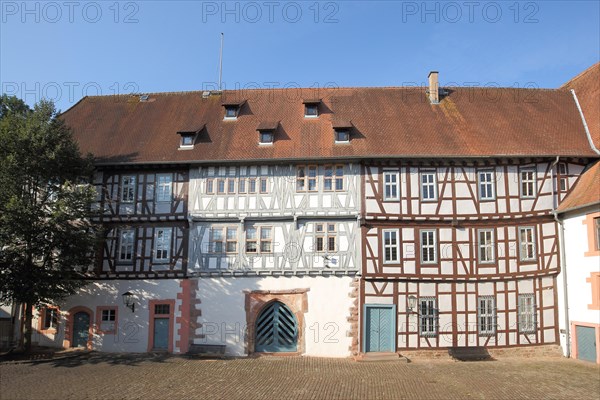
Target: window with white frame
{"x": 528, "y": 183}
{"x": 223, "y": 239}
{"x": 109, "y": 315}
{"x": 311, "y": 110}
{"x": 108, "y": 320}
{"x": 187, "y": 140}
{"x": 333, "y": 178}
{"x": 342, "y": 136}
{"x": 428, "y": 317}
{"x": 391, "y": 251}
{"x": 486, "y": 315}
{"x": 428, "y": 186}
{"x": 486, "y": 246}
{"x": 266, "y": 137}
{"x": 486, "y": 184}
{"x": 126, "y": 242}
{"x": 527, "y": 243}
{"x": 562, "y": 172}
{"x": 232, "y": 111}
{"x": 50, "y": 318}
{"x": 164, "y": 183}
{"x": 391, "y": 182}
{"x": 259, "y": 239}
{"x": 527, "y": 320}
{"x": 210, "y": 186}
{"x": 325, "y": 237}
{"x": 127, "y": 188}
{"x": 162, "y": 244}
{"x": 429, "y": 246}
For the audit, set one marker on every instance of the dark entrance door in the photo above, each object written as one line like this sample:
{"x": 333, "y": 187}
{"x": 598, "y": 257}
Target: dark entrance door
{"x": 276, "y": 329}
{"x": 81, "y": 329}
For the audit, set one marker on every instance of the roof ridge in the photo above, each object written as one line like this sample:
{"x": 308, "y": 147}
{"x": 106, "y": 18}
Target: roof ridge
{"x": 579, "y": 76}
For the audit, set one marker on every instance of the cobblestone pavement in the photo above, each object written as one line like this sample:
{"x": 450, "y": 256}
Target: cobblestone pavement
{"x": 96, "y": 376}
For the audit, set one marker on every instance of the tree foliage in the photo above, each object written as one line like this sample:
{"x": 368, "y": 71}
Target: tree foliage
{"x": 46, "y": 235}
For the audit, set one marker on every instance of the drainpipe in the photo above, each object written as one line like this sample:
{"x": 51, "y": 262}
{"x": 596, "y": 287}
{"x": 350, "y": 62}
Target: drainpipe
{"x": 585, "y": 125}
{"x": 563, "y": 262}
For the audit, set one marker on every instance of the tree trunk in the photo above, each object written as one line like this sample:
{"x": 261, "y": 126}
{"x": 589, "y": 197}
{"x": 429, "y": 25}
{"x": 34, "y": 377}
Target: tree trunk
{"x": 28, "y": 322}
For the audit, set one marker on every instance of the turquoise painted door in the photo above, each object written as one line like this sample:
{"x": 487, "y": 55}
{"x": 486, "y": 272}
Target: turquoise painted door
{"x": 586, "y": 343}
{"x": 379, "y": 329}
{"x": 161, "y": 333}
{"x": 81, "y": 329}
{"x": 276, "y": 329}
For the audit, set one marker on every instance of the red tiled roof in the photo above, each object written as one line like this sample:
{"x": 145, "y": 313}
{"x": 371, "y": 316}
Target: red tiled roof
{"x": 586, "y": 192}
{"x": 386, "y": 122}
{"x": 587, "y": 89}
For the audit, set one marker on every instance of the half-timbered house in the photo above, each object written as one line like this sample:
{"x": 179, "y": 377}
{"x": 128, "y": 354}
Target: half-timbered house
{"x": 326, "y": 221}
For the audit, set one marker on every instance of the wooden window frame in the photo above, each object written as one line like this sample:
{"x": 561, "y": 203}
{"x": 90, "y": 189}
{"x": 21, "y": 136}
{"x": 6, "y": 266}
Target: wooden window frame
{"x": 491, "y": 184}
{"x": 525, "y": 194}
{"x": 491, "y": 318}
{"x": 224, "y": 241}
{"x": 326, "y": 235}
{"x": 210, "y": 186}
{"x": 259, "y": 241}
{"x": 128, "y": 191}
{"x": 162, "y": 194}
{"x": 527, "y": 317}
{"x": 433, "y": 246}
{"x": 231, "y": 186}
{"x": 533, "y": 243}
{"x": 337, "y": 176}
{"x": 428, "y": 316}
{"x": 165, "y": 240}
{"x": 491, "y": 245}
{"x": 563, "y": 172}
{"x": 423, "y": 185}
{"x": 221, "y": 186}
{"x": 395, "y": 184}
{"x": 391, "y": 246}
{"x": 242, "y": 185}
{"x": 264, "y": 185}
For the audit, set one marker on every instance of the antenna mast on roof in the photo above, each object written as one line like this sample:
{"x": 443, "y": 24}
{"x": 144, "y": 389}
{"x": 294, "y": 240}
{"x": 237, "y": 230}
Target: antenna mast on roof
{"x": 221, "y": 61}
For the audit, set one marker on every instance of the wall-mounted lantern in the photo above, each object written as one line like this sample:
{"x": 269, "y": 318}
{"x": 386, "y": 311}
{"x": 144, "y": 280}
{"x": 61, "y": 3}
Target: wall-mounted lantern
{"x": 128, "y": 301}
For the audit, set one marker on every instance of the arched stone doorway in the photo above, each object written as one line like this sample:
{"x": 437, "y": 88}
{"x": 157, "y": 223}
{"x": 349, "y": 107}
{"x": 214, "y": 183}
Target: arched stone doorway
{"x": 294, "y": 302}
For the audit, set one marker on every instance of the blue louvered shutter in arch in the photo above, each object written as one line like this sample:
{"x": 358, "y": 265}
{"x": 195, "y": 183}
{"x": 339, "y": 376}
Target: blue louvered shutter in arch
{"x": 276, "y": 329}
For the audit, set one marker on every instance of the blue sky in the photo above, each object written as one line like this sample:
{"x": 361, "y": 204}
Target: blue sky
{"x": 64, "y": 50}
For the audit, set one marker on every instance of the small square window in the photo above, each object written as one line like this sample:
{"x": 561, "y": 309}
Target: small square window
{"x": 265, "y": 137}
{"x": 342, "y": 136}
{"x": 187, "y": 140}
{"x": 311, "y": 110}
{"x": 231, "y": 112}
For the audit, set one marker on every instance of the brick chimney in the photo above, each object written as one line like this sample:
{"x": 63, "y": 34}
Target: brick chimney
{"x": 434, "y": 86}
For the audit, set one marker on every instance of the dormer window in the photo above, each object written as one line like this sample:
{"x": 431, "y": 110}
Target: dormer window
{"x": 342, "y": 136}
{"x": 265, "y": 137}
{"x": 341, "y": 129}
{"x": 231, "y": 112}
{"x": 311, "y": 108}
{"x": 187, "y": 141}
{"x": 266, "y": 132}
{"x": 188, "y": 137}
{"x": 232, "y": 109}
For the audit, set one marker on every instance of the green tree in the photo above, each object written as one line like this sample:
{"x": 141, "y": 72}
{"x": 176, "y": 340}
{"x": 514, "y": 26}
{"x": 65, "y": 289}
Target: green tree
{"x": 46, "y": 235}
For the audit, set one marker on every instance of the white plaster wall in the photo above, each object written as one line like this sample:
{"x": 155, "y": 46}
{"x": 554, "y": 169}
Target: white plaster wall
{"x": 579, "y": 267}
{"x": 325, "y": 323}
{"x": 132, "y": 327}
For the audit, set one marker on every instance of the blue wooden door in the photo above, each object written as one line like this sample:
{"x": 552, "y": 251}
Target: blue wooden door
{"x": 276, "y": 329}
{"x": 586, "y": 343}
{"x": 81, "y": 329}
{"x": 379, "y": 328}
{"x": 161, "y": 333}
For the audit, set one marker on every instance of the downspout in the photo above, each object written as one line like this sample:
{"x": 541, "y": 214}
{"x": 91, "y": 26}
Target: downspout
{"x": 585, "y": 125}
{"x": 563, "y": 263}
